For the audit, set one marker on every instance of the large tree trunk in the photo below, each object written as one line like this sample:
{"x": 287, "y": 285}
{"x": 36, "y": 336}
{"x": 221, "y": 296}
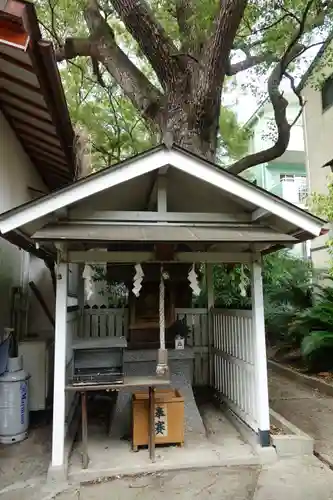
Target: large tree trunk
{"x": 185, "y": 107}
{"x": 181, "y": 124}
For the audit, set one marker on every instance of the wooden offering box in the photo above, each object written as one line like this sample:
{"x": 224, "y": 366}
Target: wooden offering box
{"x": 168, "y": 418}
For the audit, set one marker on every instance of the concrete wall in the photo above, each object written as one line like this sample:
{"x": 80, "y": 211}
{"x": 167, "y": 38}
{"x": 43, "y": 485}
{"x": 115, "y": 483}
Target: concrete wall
{"x": 17, "y": 173}
{"x": 318, "y": 126}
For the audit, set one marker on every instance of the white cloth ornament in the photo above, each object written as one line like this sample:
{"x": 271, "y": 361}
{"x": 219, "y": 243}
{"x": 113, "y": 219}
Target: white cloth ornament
{"x": 242, "y": 282}
{"x": 137, "y": 280}
{"x": 88, "y": 273}
{"x": 88, "y": 281}
{"x": 193, "y": 279}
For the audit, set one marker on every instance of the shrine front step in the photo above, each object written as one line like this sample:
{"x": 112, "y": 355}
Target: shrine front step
{"x": 143, "y": 363}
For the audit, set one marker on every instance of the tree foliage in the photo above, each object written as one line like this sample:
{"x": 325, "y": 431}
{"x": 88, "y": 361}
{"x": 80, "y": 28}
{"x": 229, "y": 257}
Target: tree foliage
{"x": 314, "y": 326}
{"x": 322, "y": 205}
{"x": 136, "y": 71}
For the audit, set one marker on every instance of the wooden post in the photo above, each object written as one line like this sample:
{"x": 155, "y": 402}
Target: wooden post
{"x": 84, "y": 424}
{"x": 260, "y": 359}
{"x": 80, "y": 300}
{"x": 151, "y": 424}
{"x": 58, "y": 426}
{"x": 210, "y": 306}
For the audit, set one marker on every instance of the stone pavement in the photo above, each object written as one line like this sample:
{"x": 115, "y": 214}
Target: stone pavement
{"x": 295, "y": 478}
{"x": 308, "y": 409}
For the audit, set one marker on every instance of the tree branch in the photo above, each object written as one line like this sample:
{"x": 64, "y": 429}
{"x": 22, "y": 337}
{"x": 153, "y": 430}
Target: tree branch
{"x": 250, "y": 62}
{"x": 270, "y": 57}
{"x": 103, "y": 48}
{"x": 279, "y": 104}
{"x": 184, "y": 14}
{"x": 218, "y": 47}
{"x": 151, "y": 37}
{"x": 75, "y": 47}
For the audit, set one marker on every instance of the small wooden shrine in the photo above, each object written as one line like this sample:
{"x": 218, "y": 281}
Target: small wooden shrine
{"x": 144, "y": 317}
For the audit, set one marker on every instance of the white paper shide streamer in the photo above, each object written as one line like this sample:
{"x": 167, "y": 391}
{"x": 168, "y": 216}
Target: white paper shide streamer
{"x": 242, "y": 282}
{"x": 87, "y": 275}
{"x": 137, "y": 280}
{"x": 193, "y": 279}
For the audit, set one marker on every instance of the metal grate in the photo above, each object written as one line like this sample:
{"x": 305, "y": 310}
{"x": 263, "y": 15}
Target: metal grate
{"x": 89, "y": 377}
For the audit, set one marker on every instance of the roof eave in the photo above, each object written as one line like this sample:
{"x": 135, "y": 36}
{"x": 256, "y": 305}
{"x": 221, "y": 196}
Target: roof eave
{"x": 149, "y": 161}
{"x": 41, "y": 53}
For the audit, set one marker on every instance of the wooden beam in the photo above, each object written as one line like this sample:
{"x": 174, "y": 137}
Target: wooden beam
{"x": 22, "y": 83}
{"x": 152, "y": 197}
{"x": 42, "y": 302}
{"x": 6, "y": 92}
{"x": 33, "y": 114}
{"x": 259, "y": 214}
{"x": 101, "y": 256}
{"x": 36, "y": 134}
{"x": 17, "y": 62}
{"x": 77, "y": 214}
{"x": 56, "y": 159}
{"x": 40, "y": 144}
{"x": 25, "y": 122}
{"x": 151, "y": 202}
{"x": 162, "y": 193}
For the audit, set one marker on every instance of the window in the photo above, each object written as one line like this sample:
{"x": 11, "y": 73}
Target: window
{"x": 327, "y": 93}
{"x": 294, "y": 188}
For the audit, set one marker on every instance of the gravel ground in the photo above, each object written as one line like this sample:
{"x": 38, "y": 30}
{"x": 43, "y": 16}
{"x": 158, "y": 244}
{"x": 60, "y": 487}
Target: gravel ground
{"x": 30, "y": 458}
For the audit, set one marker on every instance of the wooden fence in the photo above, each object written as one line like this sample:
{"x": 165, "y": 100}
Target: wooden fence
{"x": 197, "y": 322}
{"x": 104, "y": 322}
{"x": 227, "y": 364}
{"x": 233, "y": 362}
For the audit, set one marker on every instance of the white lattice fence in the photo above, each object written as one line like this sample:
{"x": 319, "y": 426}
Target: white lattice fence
{"x": 233, "y": 361}
{"x": 197, "y": 322}
{"x": 103, "y": 322}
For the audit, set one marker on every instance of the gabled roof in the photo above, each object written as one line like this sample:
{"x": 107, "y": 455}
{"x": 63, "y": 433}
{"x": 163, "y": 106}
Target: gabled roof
{"x": 303, "y": 225}
{"x": 31, "y": 94}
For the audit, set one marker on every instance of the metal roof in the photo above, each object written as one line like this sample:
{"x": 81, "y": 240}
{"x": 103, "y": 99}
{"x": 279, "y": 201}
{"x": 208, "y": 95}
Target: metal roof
{"x": 102, "y": 175}
{"x": 31, "y": 94}
{"x": 159, "y": 232}
{"x": 110, "y": 189}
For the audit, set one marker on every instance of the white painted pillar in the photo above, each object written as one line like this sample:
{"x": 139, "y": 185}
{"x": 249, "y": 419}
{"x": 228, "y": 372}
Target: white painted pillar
{"x": 210, "y": 305}
{"x": 58, "y": 426}
{"x": 260, "y": 358}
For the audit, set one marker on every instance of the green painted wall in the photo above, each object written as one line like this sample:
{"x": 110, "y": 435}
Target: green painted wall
{"x": 268, "y": 175}
{"x": 274, "y": 170}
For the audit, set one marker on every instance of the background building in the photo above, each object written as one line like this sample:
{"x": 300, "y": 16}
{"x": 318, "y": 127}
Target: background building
{"x": 317, "y": 90}
{"x": 284, "y": 176}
